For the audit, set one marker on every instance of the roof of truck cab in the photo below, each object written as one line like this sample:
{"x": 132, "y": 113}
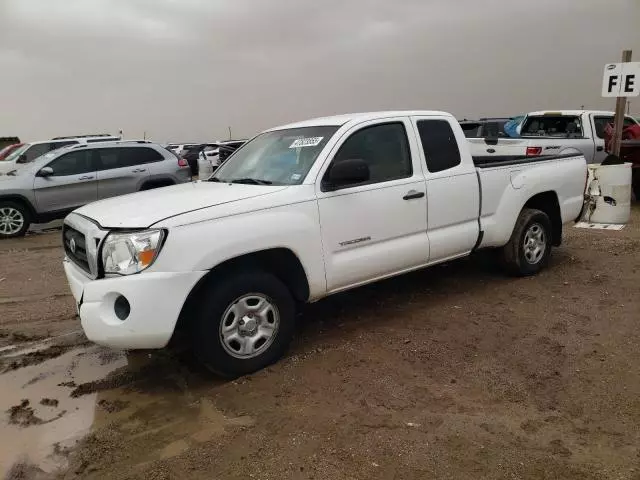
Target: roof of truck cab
{"x": 569, "y": 112}
{"x": 339, "y": 120}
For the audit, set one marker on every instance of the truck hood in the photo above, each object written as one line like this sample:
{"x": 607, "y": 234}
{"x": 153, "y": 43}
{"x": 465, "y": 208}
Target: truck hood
{"x": 143, "y": 209}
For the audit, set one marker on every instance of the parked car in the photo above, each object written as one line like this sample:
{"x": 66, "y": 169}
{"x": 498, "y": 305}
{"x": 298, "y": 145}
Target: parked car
{"x": 92, "y": 138}
{"x": 552, "y": 133}
{"x": 30, "y": 151}
{"x": 301, "y": 212}
{"x": 58, "y": 182}
{"x": 4, "y": 153}
{"x": 629, "y": 152}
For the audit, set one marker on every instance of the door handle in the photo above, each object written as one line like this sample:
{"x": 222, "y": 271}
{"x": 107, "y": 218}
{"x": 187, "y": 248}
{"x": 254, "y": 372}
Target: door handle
{"x": 411, "y": 194}
{"x": 599, "y": 148}
{"x": 139, "y": 170}
{"x": 491, "y": 150}
{"x": 86, "y": 177}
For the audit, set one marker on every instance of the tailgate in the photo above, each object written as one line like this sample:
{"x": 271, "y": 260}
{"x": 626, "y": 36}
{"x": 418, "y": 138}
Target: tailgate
{"x": 501, "y": 147}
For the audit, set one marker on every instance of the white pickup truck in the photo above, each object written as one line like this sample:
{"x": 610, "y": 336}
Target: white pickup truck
{"x": 298, "y": 213}
{"x": 551, "y": 133}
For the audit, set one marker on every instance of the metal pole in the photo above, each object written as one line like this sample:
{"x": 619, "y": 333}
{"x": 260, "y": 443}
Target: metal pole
{"x": 621, "y": 103}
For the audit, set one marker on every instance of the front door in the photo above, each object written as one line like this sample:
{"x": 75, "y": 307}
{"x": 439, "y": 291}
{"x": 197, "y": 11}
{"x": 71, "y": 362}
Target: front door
{"x": 72, "y": 184}
{"x": 377, "y": 228}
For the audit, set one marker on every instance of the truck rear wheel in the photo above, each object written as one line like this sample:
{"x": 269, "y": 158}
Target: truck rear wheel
{"x": 245, "y": 322}
{"x": 14, "y": 219}
{"x": 529, "y": 247}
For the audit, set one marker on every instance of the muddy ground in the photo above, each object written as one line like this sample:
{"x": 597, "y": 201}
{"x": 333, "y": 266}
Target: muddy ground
{"x": 451, "y": 373}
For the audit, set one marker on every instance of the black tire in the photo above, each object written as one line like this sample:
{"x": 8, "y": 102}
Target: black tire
{"x": 518, "y": 261}
{"x": 9, "y": 206}
{"x": 205, "y": 328}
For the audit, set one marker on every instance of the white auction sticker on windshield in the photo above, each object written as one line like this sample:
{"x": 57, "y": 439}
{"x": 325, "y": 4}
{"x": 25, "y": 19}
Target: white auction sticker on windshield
{"x": 306, "y": 142}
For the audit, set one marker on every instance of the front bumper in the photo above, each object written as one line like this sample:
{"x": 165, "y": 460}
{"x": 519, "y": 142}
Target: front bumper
{"x": 156, "y": 299}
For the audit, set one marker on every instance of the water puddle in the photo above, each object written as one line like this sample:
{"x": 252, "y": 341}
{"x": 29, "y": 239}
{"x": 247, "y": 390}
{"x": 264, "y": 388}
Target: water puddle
{"x": 54, "y": 395}
{"x": 40, "y": 419}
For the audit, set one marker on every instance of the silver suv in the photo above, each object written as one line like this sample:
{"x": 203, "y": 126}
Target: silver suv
{"x": 62, "y": 180}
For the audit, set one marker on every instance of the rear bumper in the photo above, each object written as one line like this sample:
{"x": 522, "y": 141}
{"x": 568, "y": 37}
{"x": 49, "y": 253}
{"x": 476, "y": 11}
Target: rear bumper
{"x": 155, "y": 299}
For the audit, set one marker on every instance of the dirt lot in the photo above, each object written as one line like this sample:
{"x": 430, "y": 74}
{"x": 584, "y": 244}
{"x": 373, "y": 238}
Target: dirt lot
{"x": 452, "y": 373}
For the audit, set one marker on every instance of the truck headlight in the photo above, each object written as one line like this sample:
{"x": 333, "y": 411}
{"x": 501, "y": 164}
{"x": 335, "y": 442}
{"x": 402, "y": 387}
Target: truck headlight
{"x": 128, "y": 253}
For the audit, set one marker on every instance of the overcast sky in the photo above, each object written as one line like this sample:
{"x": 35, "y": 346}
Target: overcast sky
{"x": 184, "y": 70}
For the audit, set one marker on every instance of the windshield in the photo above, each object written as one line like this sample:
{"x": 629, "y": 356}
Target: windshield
{"x": 281, "y": 157}
{"x": 16, "y": 153}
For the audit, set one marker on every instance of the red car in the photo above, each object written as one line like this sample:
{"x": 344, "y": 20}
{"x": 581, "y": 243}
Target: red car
{"x": 630, "y": 152}
{"x": 4, "y": 153}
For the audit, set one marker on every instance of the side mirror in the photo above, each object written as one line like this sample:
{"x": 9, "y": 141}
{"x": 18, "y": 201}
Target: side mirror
{"x": 22, "y": 159}
{"x": 45, "y": 172}
{"x": 348, "y": 172}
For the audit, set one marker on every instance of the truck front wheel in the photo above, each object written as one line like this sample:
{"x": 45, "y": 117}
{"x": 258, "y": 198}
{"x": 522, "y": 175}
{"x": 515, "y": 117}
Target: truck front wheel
{"x": 244, "y": 323}
{"x": 529, "y": 247}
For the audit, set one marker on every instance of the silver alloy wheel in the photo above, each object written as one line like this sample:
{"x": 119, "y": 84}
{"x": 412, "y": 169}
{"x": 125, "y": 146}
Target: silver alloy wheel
{"x": 535, "y": 243}
{"x": 249, "y": 325}
{"x": 11, "y": 220}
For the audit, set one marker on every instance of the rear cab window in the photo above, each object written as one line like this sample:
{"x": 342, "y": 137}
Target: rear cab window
{"x": 553, "y": 125}
{"x": 471, "y": 129}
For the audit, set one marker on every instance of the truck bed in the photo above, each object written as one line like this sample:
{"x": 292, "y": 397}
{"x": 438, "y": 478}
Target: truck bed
{"x": 505, "y": 180}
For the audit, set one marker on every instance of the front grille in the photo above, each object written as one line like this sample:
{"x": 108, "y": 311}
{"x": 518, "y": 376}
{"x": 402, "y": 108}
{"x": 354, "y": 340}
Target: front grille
{"x": 75, "y": 247}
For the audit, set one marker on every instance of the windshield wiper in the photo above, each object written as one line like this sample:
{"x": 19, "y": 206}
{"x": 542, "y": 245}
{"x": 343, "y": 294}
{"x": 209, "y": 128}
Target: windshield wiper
{"x": 214, "y": 179}
{"x": 251, "y": 181}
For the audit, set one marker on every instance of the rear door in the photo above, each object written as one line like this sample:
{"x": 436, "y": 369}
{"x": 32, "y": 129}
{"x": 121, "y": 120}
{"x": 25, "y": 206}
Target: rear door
{"x": 72, "y": 184}
{"x": 163, "y": 166}
{"x": 453, "y": 194}
{"x": 120, "y": 170}
{"x": 377, "y": 228}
